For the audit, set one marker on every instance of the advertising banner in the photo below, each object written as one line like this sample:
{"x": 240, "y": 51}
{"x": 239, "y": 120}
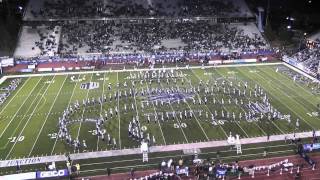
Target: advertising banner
{"x": 51, "y": 174}
{"x": 311, "y": 147}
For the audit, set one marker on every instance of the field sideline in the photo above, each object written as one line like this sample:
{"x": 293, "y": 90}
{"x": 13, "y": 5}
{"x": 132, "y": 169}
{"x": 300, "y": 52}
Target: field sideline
{"x": 32, "y": 110}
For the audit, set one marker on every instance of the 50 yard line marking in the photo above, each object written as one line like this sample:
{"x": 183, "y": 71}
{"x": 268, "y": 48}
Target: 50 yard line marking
{"x": 25, "y": 100}
{"x": 55, "y": 142}
{"x": 205, "y": 134}
{"x": 29, "y": 117}
{"x": 54, "y": 101}
{"x": 119, "y": 111}
{"x": 175, "y": 117}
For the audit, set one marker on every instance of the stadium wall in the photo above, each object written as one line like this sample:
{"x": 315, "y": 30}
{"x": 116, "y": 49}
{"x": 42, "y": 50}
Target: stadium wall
{"x": 45, "y": 64}
{"x": 294, "y": 63}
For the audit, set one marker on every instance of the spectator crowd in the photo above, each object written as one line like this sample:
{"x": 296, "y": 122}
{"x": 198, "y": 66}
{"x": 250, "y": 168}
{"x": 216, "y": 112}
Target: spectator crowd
{"x": 156, "y": 36}
{"x": 310, "y": 57}
{"x": 131, "y": 8}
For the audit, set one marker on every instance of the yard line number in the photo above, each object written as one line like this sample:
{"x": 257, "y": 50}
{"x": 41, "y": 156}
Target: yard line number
{"x": 16, "y": 139}
{"x": 182, "y": 125}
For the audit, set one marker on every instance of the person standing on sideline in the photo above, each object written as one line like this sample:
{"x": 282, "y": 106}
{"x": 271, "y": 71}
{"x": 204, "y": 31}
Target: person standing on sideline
{"x": 132, "y": 172}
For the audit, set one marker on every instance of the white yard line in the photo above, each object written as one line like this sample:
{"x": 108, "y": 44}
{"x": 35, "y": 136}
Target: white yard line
{"x": 297, "y": 84}
{"x": 24, "y": 116}
{"x": 253, "y": 122}
{"x": 119, "y": 119}
{"x": 206, "y": 105}
{"x": 104, "y": 77}
{"x": 137, "y": 112}
{"x": 35, "y": 108}
{"x": 84, "y": 108}
{"x": 135, "y": 101}
{"x": 178, "y": 121}
{"x": 25, "y": 100}
{"x": 55, "y": 142}
{"x": 155, "y": 111}
{"x": 300, "y": 72}
{"x": 300, "y": 86}
{"x": 54, "y": 101}
{"x": 221, "y": 75}
{"x": 20, "y": 88}
{"x": 3, "y": 79}
{"x": 179, "y": 155}
{"x": 289, "y": 106}
{"x": 198, "y": 121}
{"x": 271, "y": 95}
{"x": 145, "y": 69}
{"x": 167, "y": 148}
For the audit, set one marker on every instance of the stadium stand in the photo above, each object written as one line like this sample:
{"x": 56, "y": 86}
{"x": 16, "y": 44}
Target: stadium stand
{"x": 309, "y": 57}
{"x": 91, "y": 29}
{"x": 38, "y": 41}
{"x": 100, "y": 37}
{"x": 64, "y": 9}
{"x": 80, "y": 38}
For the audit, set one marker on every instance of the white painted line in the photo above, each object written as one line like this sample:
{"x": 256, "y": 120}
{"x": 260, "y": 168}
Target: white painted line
{"x": 197, "y": 120}
{"x": 84, "y": 108}
{"x": 28, "y": 119}
{"x": 207, "y": 106}
{"x": 119, "y": 113}
{"x": 179, "y": 122}
{"x": 25, "y": 100}
{"x": 245, "y": 111}
{"x": 15, "y": 95}
{"x": 289, "y": 106}
{"x": 104, "y": 77}
{"x": 168, "y": 148}
{"x": 75, "y": 86}
{"x": 240, "y": 107}
{"x": 54, "y": 101}
{"x": 276, "y": 98}
{"x": 138, "y": 70}
{"x": 300, "y": 72}
{"x": 155, "y": 111}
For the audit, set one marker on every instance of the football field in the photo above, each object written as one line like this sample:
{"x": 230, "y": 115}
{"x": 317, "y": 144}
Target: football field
{"x": 162, "y": 107}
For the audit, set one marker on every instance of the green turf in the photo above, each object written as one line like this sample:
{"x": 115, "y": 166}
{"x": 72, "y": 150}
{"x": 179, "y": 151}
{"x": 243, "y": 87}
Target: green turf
{"x": 33, "y": 109}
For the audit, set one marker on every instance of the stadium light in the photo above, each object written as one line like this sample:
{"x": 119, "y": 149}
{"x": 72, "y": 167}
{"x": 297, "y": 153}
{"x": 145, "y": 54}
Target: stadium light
{"x": 289, "y": 27}
{"x": 290, "y": 18}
